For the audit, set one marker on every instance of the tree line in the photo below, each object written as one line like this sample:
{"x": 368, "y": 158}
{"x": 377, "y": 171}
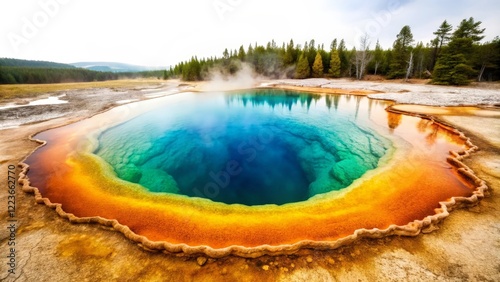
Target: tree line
{"x": 31, "y": 75}
{"x": 453, "y": 57}
{"x": 24, "y": 72}
{"x": 8, "y": 62}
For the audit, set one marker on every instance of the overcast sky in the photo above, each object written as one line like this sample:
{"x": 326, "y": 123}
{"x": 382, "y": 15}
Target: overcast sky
{"x": 161, "y": 33}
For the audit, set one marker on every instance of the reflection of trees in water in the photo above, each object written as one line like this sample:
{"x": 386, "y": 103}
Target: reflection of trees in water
{"x": 428, "y": 128}
{"x": 328, "y": 101}
{"x": 336, "y": 101}
{"x": 393, "y": 120}
{"x": 305, "y": 100}
{"x": 332, "y": 100}
{"x": 274, "y": 98}
{"x": 358, "y": 101}
{"x": 370, "y": 105}
{"x": 422, "y": 125}
{"x": 434, "y": 131}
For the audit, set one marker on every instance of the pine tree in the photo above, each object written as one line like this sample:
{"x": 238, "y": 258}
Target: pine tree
{"x": 454, "y": 67}
{"x": 303, "y": 70}
{"x": 344, "y": 60}
{"x": 334, "y": 70}
{"x": 469, "y": 29}
{"x": 241, "y": 54}
{"x": 289, "y": 58}
{"x": 401, "y": 53}
{"x": 192, "y": 70}
{"x": 485, "y": 56}
{"x": 378, "y": 56}
{"x": 250, "y": 50}
{"x": 325, "y": 57}
{"x": 317, "y": 68}
{"x": 443, "y": 35}
{"x": 333, "y": 45}
{"x": 311, "y": 52}
{"x": 419, "y": 59}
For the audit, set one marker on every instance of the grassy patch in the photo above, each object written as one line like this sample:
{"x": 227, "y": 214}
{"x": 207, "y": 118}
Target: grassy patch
{"x": 8, "y": 91}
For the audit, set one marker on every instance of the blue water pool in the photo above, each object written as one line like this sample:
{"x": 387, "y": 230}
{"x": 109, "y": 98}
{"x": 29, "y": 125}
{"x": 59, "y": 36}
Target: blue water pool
{"x": 250, "y": 147}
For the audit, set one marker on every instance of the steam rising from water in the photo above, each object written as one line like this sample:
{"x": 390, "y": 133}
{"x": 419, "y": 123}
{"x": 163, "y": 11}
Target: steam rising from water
{"x": 244, "y": 78}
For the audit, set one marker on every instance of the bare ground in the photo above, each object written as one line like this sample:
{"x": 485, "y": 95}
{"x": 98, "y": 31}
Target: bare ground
{"x": 465, "y": 248}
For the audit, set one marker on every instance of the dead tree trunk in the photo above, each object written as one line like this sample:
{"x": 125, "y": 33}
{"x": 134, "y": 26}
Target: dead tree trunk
{"x": 410, "y": 67}
{"x": 363, "y": 57}
{"x": 480, "y": 76}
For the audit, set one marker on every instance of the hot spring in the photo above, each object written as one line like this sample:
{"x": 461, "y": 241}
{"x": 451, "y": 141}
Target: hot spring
{"x": 231, "y": 171}
{"x": 251, "y": 148}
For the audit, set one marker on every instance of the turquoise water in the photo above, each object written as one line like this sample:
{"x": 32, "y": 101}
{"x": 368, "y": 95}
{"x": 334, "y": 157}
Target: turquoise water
{"x": 252, "y": 148}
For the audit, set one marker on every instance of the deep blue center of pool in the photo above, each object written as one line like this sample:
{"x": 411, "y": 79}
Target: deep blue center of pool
{"x": 252, "y": 148}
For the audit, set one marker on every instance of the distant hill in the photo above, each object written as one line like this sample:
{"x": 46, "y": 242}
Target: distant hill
{"x": 8, "y": 62}
{"x": 15, "y": 71}
{"x": 113, "y": 67}
{"x": 94, "y": 66}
